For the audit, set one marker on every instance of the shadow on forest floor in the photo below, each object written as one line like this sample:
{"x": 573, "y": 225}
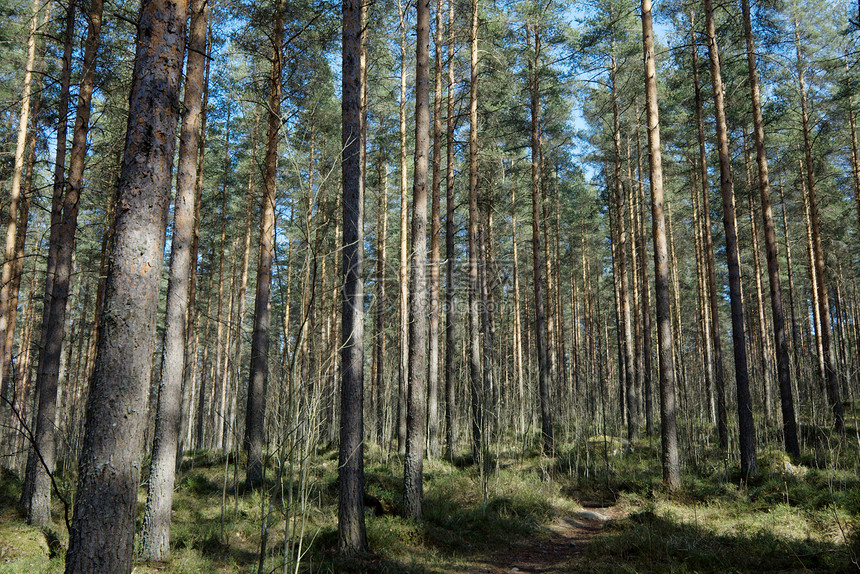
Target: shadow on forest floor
{"x": 525, "y": 514}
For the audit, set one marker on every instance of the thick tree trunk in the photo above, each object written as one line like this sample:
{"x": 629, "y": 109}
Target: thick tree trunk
{"x": 746, "y": 428}
{"x": 351, "y": 531}
{"x": 102, "y": 535}
{"x": 155, "y": 536}
{"x": 259, "y": 370}
{"x": 668, "y": 432}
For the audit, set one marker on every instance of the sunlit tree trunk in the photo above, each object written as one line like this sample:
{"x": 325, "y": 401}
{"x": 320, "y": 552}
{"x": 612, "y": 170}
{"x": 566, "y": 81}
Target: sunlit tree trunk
{"x": 413, "y": 490}
{"x": 669, "y": 433}
{"x": 102, "y": 534}
{"x": 351, "y": 529}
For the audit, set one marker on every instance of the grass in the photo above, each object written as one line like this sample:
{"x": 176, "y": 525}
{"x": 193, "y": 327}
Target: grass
{"x": 804, "y": 518}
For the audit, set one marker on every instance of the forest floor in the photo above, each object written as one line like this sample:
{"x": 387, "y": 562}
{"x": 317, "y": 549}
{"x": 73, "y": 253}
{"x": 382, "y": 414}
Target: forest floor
{"x": 594, "y": 508}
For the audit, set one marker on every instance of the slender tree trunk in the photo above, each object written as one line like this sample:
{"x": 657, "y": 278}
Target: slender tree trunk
{"x": 830, "y": 375}
{"x": 626, "y": 319}
{"x": 403, "y": 275}
{"x": 450, "y": 254}
{"x": 475, "y": 378}
{"x": 15, "y": 193}
{"x": 518, "y": 328}
{"x": 351, "y": 530}
{"x": 221, "y": 353}
{"x": 435, "y": 227}
{"x": 413, "y": 492}
{"x": 716, "y": 341}
{"x": 49, "y": 359}
{"x": 259, "y": 370}
{"x": 668, "y": 433}
{"x": 544, "y": 384}
{"x": 646, "y": 293}
{"x": 102, "y": 534}
{"x": 745, "y": 419}
{"x": 380, "y": 388}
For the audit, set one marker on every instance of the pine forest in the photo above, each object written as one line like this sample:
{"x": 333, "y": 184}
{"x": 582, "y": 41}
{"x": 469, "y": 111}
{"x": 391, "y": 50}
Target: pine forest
{"x": 430, "y": 286}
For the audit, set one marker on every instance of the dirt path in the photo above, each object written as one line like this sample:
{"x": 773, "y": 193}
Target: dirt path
{"x": 553, "y": 552}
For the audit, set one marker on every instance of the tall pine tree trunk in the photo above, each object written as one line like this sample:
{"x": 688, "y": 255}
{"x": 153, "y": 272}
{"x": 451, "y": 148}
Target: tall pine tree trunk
{"x": 746, "y": 428}
{"x": 474, "y": 348}
{"x": 450, "y": 253}
{"x": 544, "y": 382}
{"x": 668, "y": 432}
{"x": 351, "y": 530}
{"x": 713, "y": 295}
{"x": 155, "y": 536}
{"x": 435, "y": 226}
{"x": 259, "y": 371}
{"x": 830, "y": 376}
{"x": 413, "y": 490}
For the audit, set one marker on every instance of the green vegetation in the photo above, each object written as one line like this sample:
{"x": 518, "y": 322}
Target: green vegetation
{"x": 798, "y": 518}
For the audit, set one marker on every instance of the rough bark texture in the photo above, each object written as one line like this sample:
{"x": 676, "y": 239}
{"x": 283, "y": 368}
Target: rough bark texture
{"x": 475, "y": 378}
{"x": 155, "y": 537}
{"x": 668, "y": 430}
{"x": 351, "y": 531}
{"x": 102, "y": 533}
{"x": 746, "y": 428}
{"x": 259, "y": 372}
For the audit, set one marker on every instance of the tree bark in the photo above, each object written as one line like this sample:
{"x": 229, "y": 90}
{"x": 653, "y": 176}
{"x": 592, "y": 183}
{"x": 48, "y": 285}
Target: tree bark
{"x": 713, "y": 295}
{"x": 435, "y": 226}
{"x": 626, "y": 319}
{"x": 475, "y": 378}
{"x": 544, "y": 384}
{"x": 49, "y": 359}
{"x": 155, "y": 536}
{"x": 746, "y": 428}
{"x": 668, "y": 430}
{"x": 351, "y": 530}
{"x": 403, "y": 274}
{"x": 450, "y": 253}
{"x": 102, "y": 534}
{"x": 413, "y": 491}
{"x": 830, "y": 376}
{"x": 6, "y": 309}
{"x": 259, "y": 370}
